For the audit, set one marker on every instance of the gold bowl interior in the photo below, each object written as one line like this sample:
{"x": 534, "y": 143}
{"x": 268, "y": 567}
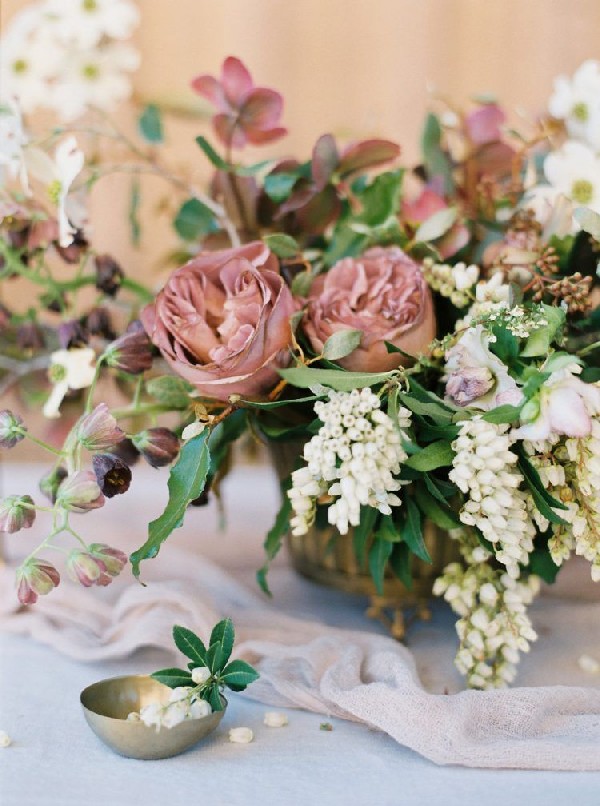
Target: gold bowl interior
{"x": 107, "y": 704}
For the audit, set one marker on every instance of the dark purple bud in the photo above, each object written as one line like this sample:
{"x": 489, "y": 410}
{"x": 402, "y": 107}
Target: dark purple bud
{"x": 30, "y": 336}
{"x": 98, "y": 323}
{"x": 12, "y": 429}
{"x": 50, "y": 483}
{"x": 73, "y": 252}
{"x": 126, "y": 451}
{"x": 112, "y": 474}
{"x": 131, "y": 352}
{"x": 159, "y": 446}
{"x": 72, "y": 334}
{"x": 108, "y": 275}
{"x": 54, "y": 301}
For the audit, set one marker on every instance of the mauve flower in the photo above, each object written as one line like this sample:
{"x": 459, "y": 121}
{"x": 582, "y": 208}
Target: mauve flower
{"x": 425, "y": 205}
{"x": 245, "y": 113}
{"x": 16, "y": 513}
{"x": 80, "y": 492}
{"x": 159, "y": 446}
{"x": 564, "y": 405}
{"x": 475, "y": 377}
{"x": 222, "y": 321}
{"x": 98, "y": 430}
{"x": 383, "y": 294}
{"x": 131, "y": 352}
{"x": 36, "y": 578}
{"x": 484, "y": 124}
{"x": 12, "y": 429}
{"x": 87, "y": 569}
{"x": 113, "y": 559}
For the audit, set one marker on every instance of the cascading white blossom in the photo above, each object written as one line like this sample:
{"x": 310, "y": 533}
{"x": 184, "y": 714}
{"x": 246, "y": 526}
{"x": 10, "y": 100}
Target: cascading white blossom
{"x": 494, "y": 626}
{"x": 576, "y": 100}
{"x": 354, "y": 459}
{"x": 484, "y": 470}
{"x": 455, "y": 282}
{"x": 69, "y": 55}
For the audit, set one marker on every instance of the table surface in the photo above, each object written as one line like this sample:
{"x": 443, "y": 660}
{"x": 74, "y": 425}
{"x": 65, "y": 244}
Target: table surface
{"x": 55, "y": 759}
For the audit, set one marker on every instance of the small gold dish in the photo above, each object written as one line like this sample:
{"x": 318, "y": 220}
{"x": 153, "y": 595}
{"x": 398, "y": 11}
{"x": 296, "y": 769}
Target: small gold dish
{"x": 107, "y": 704}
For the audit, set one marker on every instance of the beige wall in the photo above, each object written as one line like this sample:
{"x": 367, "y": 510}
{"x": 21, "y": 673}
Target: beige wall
{"x": 354, "y": 67}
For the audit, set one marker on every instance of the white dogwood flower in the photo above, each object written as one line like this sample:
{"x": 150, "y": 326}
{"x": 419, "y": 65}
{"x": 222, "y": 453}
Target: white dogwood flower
{"x": 574, "y": 169}
{"x": 69, "y": 369}
{"x": 576, "y": 100}
{"x": 12, "y": 142}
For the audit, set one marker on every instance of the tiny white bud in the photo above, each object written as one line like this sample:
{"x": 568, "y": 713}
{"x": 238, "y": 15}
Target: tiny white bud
{"x": 589, "y": 664}
{"x": 134, "y": 717}
{"x": 275, "y": 719}
{"x": 241, "y": 735}
{"x": 192, "y": 430}
{"x": 5, "y": 740}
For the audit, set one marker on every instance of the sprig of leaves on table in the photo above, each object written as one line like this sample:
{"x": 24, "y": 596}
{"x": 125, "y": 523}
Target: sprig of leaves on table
{"x": 235, "y": 675}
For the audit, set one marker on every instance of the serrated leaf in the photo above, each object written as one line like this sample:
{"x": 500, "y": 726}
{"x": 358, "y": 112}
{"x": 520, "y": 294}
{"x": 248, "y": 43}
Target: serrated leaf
{"x": 150, "y": 124}
{"x": 170, "y": 391}
{"x": 276, "y": 404}
{"x": 172, "y": 677}
{"x": 213, "y": 697}
{"x": 438, "y": 413}
{"x": 284, "y": 246}
{"x": 387, "y": 530}
{"x": 400, "y": 563}
{"x": 194, "y": 220}
{"x": 186, "y": 481}
{"x": 223, "y": 435}
{"x": 412, "y": 531}
{"x": 435, "y": 507}
{"x": 437, "y": 454}
{"x": 436, "y": 225}
{"x": 212, "y": 155}
{"x": 308, "y": 377}
{"x": 379, "y": 554}
{"x": 238, "y": 675}
{"x": 190, "y": 645}
{"x": 341, "y": 343}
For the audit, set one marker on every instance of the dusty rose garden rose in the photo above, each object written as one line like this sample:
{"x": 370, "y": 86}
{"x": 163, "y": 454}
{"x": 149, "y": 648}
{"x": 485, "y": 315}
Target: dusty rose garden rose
{"x": 384, "y": 294}
{"x": 222, "y": 321}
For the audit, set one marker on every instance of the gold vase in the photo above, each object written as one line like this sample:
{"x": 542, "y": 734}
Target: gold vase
{"x": 325, "y": 556}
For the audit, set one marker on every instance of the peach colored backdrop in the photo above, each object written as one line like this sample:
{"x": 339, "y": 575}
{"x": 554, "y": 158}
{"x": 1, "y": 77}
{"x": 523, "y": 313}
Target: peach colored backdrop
{"x": 354, "y": 67}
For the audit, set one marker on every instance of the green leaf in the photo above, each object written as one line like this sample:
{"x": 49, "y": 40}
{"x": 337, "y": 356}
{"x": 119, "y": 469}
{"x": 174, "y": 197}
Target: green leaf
{"x": 438, "y": 412}
{"x": 135, "y": 228}
{"x": 378, "y": 556}
{"x": 387, "y": 530}
{"x": 252, "y": 170}
{"x": 433, "y": 508}
{"x": 412, "y": 531}
{"x": 194, "y": 220}
{"x": 341, "y": 343}
{"x": 436, "y": 225}
{"x": 362, "y": 532}
{"x": 278, "y": 186}
{"x": 437, "y": 454}
{"x": 307, "y": 377}
{"x": 400, "y": 563}
{"x": 221, "y": 645}
{"x": 275, "y": 536}
{"x": 150, "y": 124}
{"x": 276, "y": 404}
{"x": 542, "y": 564}
{"x": 381, "y": 199}
{"x": 238, "y": 675}
{"x": 190, "y": 645}
{"x": 503, "y": 414}
{"x": 173, "y": 677}
{"x": 282, "y": 245}
{"x": 223, "y": 435}
{"x": 186, "y": 481}
{"x": 542, "y": 498}
{"x": 436, "y": 161}
{"x": 212, "y": 155}
{"x": 170, "y": 391}
{"x": 344, "y": 243}
{"x": 213, "y": 697}
{"x": 539, "y": 341}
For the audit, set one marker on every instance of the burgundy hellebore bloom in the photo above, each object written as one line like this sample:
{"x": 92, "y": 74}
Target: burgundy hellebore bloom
{"x": 245, "y": 113}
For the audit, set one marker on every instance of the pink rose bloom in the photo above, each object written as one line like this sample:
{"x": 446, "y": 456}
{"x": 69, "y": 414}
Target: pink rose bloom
{"x": 222, "y": 321}
{"x": 384, "y": 294}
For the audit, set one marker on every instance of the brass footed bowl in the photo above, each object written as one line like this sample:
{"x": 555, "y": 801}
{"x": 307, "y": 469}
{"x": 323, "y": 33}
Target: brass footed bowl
{"x": 107, "y": 704}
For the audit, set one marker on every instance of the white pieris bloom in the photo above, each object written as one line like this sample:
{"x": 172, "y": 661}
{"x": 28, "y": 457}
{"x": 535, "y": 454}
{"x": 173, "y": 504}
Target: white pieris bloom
{"x": 5, "y": 740}
{"x": 57, "y": 176}
{"x": 241, "y": 735}
{"x": 275, "y": 719}
{"x": 199, "y": 708}
{"x": 200, "y": 675}
{"x": 86, "y": 22}
{"x": 576, "y": 100}
{"x": 574, "y": 169}
{"x": 69, "y": 369}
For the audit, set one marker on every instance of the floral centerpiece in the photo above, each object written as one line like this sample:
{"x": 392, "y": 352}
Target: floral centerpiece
{"x": 427, "y": 338}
